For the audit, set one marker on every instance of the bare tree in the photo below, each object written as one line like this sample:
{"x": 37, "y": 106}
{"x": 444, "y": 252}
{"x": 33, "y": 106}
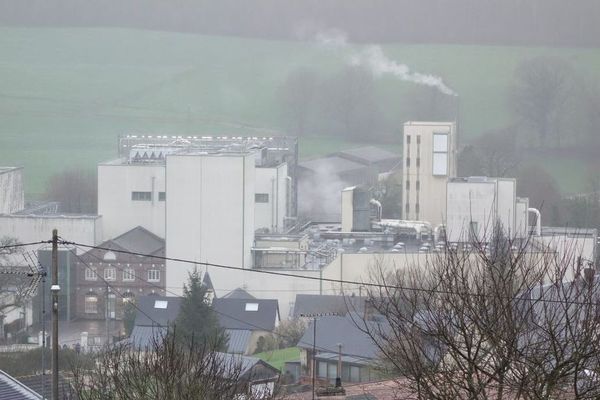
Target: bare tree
{"x": 14, "y": 282}
{"x": 75, "y": 189}
{"x": 540, "y": 94}
{"x": 167, "y": 370}
{"x": 498, "y": 322}
{"x": 542, "y": 190}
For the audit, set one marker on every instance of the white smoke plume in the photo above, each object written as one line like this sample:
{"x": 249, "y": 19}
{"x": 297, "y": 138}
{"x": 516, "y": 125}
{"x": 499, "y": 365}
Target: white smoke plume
{"x": 378, "y": 63}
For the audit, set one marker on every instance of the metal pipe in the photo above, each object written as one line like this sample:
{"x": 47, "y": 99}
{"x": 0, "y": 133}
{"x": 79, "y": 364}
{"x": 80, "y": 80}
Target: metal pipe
{"x": 538, "y": 220}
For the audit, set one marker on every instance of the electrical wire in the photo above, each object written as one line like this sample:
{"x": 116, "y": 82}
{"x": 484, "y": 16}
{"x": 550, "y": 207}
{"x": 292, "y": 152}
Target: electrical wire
{"x": 331, "y": 280}
{"x": 173, "y": 294}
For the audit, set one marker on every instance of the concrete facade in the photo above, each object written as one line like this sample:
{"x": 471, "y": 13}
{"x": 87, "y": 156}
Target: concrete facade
{"x": 210, "y": 212}
{"x": 86, "y": 229}
{"x": 429, "y": 157}
{"x": 123, "y": 210}
{"x": 476, "y": 204}
{"x": 271, "y": 199}
{"x": 12, "y": 197}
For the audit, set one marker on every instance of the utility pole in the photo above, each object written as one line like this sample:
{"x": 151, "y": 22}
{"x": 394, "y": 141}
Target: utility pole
{"x": 338, "y": 379}
{"x": 55, "y": 288}
{"x": 314, "y": 360}
{"x": 43, "y": 333}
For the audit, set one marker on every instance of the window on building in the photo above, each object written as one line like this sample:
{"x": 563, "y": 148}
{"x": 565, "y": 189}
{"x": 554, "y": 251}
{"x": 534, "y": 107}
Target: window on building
{"x": 261, "y": 197}
{"x": 161, "y": 304}
{"x": 407, "y": 209}
{"x": 110, "y": 256}
{"x": 110, "y": 274}
{"x": 162, "y": 196}
{"x": 407, "y": 139}
{"x": 417, "y": 209}
{"x": 153, "y": 275}
{"x": 408, "y": 161}
{"x": 418, "y": 162}
{"x": 407, "y": 186}
{"x": 91, "y": 304}
{"x": 128, "y": 275}
{"x": 90, "y": 274}
{"x": 418, "y": 185}
{"x": 251, "y": 306}
{"x": 418, "y": 139}
{"x": 141, "y": 196}
{"x": 440, "y": 154}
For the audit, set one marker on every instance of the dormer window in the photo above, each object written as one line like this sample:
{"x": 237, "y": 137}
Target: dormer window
{"x": 110, "y": 256}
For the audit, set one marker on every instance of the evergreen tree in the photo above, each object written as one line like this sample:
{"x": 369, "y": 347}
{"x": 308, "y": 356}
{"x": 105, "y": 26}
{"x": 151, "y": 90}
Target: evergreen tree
{"x": 197, "y": 321}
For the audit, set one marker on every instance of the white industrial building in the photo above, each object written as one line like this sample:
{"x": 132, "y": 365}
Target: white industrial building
{"x": 210, "y": 211}
{"x": 429, "y": 153}
{"x": 12, "y": 198}
{"x": 130, "y": 195}
{"x": 476, "y": 205}
{"x": 132, "y": 189}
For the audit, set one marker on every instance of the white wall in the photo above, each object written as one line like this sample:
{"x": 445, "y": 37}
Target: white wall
{"x": 33, "y": 228}
{"x": 431, "y": 195}
{"x": 209, "y": 212}
{"x": 522, "y": 218}
{"x": 12, "y": 198}
{"x": 483, "y": 201}
{"x": 120, "y": 213}
{"x": 272, "y": 181}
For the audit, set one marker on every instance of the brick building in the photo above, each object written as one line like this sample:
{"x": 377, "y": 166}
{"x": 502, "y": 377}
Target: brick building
{"x": 129, "y": 276}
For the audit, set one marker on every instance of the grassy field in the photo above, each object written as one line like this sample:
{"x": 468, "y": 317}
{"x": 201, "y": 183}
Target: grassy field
{"x": 66, "y": 94}
{"x": 278, "y": 358}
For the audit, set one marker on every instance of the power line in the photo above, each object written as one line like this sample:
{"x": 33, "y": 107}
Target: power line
{"x": 331, "y": 280}
{"x": 15, "y": 245}
{"x": 216, "y": 311}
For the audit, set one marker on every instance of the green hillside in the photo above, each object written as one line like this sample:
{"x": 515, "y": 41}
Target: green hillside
{"x": 65, "y": 94}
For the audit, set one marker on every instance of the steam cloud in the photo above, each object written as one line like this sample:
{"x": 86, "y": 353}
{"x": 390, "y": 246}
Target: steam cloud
{"x": 378, "y": 63}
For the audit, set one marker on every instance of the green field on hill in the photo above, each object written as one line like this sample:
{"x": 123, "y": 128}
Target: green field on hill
{"x": 67, "y": 93}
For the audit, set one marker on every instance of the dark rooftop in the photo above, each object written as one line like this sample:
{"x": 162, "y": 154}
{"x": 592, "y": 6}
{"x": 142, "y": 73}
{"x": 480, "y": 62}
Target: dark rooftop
{"x": 12, "y": 389}
{"x": 330, "y": 165}
{"x": 140, "y": 240}
{"x": 308, "y": 304}
{"x": 249, "y": 314}
{"x": 369, "y": 154}
{"x": 157, "y": 310}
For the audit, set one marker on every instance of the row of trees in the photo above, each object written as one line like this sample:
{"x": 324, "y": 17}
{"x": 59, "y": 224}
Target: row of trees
{"x": 350, "y": 103}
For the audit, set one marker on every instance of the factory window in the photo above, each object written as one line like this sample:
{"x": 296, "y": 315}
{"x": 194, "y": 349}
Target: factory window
{"x": 91, "y": 304}
{"x": 408, "y": 161}
{"x": 141, "y": 196}
{"x": 90, "y": 274}
{"x": 417, "y": 208}
{"x": 418, "y": 162}
{"x": 407, "y": 209}
{"x": 128, "y": 275}
{"x": 153, "y": 275}
{"x": 418, "y": 185}
{"x": 407, "y": 187}
{"x": 110, "y": 274}
{"x": 261, "y": 197}
{"x": 418, "y": 139}
{"x": 440, "y": 154}
{"x": 407, "y": 139}
{"x": 162, "y": 196}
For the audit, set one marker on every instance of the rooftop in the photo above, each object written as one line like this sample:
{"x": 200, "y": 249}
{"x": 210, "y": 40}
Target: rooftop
{"x": 369, "y": 154}
{"x": 12, "y": 389}
{"x": 331, "y": 165}
{"x": 140, "y": 240}
{"x": 8, "y": 169}
{"x": 247, "y": 314}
